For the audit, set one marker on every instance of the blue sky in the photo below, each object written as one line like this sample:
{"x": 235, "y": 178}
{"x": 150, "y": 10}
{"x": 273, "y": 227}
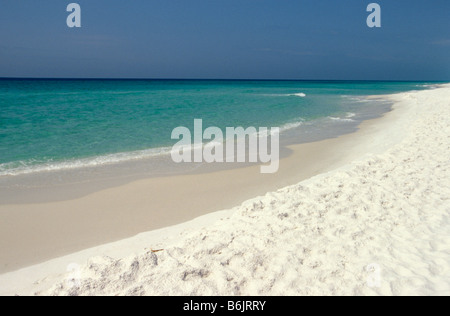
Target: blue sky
{"x": 229, "y": 39}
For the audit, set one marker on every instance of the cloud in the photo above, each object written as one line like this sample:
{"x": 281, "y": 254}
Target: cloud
{"x": 445, "y": 42}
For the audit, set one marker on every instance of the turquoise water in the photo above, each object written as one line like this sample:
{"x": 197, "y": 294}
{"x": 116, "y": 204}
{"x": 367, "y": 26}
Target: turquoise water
{"x": 57, "y": 124}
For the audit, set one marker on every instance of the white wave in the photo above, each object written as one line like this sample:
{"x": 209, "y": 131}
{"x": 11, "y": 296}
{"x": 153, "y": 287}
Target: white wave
{"x": 292, "y": 125}
{"x": 28, "y": 167}
{"x": 357, "y": 99}
{"x": 300, "y": 94}
{"x": 340, "y": 119}
{"x": 35, "y": 166}
{"x": 430, "y": 86}
{"x": 365, "y": 99}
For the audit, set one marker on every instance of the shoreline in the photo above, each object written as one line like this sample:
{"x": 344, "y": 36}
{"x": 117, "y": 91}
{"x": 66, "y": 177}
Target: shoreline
{"x": 75, "y": 183}
{"x": 125, "y": 210}
{"x": 374, "y": 137}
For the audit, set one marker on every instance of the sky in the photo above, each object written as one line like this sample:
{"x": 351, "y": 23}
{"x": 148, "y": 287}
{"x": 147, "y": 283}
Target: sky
{"x": 226, "y": 39}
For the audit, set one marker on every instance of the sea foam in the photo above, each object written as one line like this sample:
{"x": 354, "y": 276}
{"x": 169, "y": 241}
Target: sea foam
{"x": 33, "y": 166}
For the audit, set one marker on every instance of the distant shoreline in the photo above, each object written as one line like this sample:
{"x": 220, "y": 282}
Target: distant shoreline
{"x": 224, "y": 79}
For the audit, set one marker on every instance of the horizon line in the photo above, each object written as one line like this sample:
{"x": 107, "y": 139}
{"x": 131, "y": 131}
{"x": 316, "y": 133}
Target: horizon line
{"x": 217, "y": 79}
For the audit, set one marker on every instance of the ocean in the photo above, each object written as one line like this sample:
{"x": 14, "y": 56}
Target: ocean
{"x": 51, "y": 125}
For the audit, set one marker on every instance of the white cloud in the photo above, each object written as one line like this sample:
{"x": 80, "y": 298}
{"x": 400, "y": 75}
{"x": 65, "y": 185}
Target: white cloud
{"x": 445, "y": 42}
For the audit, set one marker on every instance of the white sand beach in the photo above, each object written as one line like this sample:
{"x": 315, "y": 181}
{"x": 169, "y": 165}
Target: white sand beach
{"x": 379, "y": 225}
